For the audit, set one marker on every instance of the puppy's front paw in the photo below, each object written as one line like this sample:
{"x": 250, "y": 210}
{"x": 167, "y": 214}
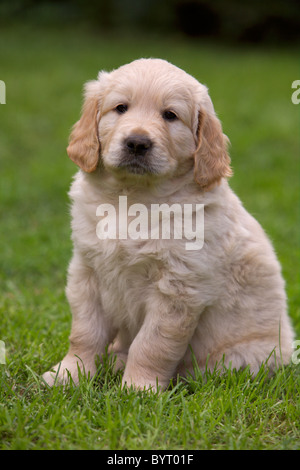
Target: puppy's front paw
{"x": 145, "y": 384}
{"x": 61, "y": 375}
{"x": 68, "y": 370}
{"x": 52, "y": 377}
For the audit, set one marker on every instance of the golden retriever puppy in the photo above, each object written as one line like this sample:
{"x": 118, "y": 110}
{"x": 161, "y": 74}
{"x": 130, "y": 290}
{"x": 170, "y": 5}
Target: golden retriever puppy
{"x": 151, "y": 151}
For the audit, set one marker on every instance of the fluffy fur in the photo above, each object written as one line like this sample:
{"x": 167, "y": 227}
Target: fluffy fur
{"x": 153, "y": 301}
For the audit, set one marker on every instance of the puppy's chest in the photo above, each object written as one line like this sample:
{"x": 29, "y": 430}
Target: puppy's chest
{"x": 126, "y": 279}
{"x": 133, "y": 264}
{"x": 122, "y": 261}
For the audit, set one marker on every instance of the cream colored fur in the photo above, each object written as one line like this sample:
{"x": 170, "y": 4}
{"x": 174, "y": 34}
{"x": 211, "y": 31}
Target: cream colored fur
{"x": 152, "y": 300}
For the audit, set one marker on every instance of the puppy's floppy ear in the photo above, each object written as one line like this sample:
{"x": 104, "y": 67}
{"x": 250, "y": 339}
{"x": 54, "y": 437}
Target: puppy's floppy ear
{"x": 212, "y": 161}
{"x": 84, "y": 144}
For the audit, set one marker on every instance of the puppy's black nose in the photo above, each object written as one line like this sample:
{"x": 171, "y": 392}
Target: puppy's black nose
{"x": 138, "y": 145}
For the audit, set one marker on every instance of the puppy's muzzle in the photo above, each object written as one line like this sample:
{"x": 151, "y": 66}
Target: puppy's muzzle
{"x": 137, "y": 157}
{"x": 137, "y": 145}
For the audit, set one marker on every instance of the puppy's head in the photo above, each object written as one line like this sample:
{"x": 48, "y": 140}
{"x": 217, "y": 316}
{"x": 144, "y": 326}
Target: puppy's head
{"x": 149, "y": 118}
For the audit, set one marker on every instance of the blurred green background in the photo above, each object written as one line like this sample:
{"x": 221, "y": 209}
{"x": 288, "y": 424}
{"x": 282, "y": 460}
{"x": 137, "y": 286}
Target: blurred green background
{"x": 234, "y": 20}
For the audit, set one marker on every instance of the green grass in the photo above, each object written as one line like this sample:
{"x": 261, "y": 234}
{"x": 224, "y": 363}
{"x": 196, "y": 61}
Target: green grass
{"x": 44, "y": 72}
{"x": 230, "y": 412}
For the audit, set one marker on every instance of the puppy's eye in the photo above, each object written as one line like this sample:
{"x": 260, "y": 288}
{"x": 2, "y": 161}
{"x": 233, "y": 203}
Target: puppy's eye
{"x": 169, "y": 116}
{"x": 121, "y": 108}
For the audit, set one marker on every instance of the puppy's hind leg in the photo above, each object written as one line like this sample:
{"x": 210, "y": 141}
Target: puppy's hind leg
{"x": 90, "y": 331}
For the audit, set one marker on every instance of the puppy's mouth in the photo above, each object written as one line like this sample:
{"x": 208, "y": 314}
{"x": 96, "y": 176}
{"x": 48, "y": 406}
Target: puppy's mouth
{"x": 137, "y": 155}
{"x": 137, "y": 166}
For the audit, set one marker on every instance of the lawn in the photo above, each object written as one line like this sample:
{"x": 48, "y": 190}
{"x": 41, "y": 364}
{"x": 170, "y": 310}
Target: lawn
{"x": 44, "y": 71}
